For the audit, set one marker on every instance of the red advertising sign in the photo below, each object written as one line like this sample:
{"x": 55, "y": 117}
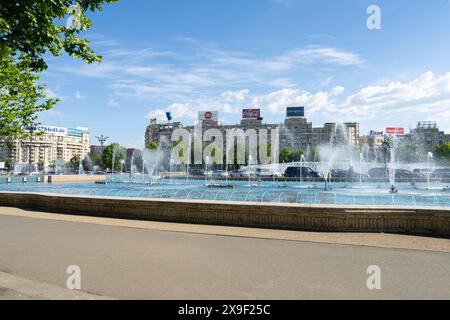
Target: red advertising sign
{"x": 208, "y": 115}
{"x": 395, "y": 131}
{"x": 251, "y": 113}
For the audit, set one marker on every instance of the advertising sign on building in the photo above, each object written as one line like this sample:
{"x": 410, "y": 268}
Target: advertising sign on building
{"x": 293, "y": 112}
{"x": 395, "y": 131}
{"x": 54, "y": 130}
{"x": 251, "y": 114}
{"x": 376, "y": 133}
{"x": 208, "y": 116}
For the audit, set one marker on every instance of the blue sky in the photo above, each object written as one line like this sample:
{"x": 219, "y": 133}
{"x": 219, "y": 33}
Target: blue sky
{"x": 186, "y": 56}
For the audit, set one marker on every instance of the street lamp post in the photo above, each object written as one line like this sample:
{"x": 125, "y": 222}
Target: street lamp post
{"x": 102, "y": 139}
{"x": 31, "y": 129}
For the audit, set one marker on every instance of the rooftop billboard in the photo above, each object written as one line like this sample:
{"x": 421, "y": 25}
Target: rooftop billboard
{"x": 208, "y": 116}
{"x": 251, "y": 114}
{"x": 293, "y": 112}
{"x": 395, "y": 131}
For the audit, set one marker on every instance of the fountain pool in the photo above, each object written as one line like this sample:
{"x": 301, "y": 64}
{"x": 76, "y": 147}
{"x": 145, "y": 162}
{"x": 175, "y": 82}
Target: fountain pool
{"x": 308, "y": 193}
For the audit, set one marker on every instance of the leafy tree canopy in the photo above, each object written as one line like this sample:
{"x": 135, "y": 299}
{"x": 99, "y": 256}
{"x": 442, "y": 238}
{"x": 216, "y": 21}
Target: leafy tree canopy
{"x": 442, "y": 153}
{"x": 113, "y": 151}
{"x": 30, "y": 30}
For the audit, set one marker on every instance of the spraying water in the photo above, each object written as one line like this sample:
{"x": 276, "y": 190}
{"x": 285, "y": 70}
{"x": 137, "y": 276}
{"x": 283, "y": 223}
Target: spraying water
{"x": 430, "y": 159}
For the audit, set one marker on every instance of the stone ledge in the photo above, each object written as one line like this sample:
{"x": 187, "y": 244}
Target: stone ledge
{"x": 389, "y": 219}
{"x": 75, "y": 179}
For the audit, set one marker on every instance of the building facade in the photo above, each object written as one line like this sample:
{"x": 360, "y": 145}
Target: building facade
{"x": 48, "y": 144}
{"x": 296, "y": 133}
{"x": 426, "y": 136}
{"x": 345, "y": 133}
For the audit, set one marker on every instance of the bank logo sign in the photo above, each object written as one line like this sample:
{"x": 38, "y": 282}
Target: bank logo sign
{"x": 293, "y": 112}
{"x": 208, "y": 116}
{"x": 376, "y": 133}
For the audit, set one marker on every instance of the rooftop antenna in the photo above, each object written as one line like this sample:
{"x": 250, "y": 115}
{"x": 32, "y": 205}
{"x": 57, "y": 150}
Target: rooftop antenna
{"x": 102, "y": 139}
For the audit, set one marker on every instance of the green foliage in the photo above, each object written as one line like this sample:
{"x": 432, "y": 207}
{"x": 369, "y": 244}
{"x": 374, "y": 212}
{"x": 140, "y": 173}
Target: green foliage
{"x": 286, "y": 155}
{"x": 410, "y": 153}
{"x": 74, "y": 162}
{"x": 95, "y": 158}
{"x": 385, "y": 150}
{"x": 21, "y": 97}
{"x": 107, "y": 156}
{"x": 29, "y": 32}
{"x": 9, "y": 163}
{"x": 297, "y": 156}
{"x": 313, "y": 154}
{"x": 153, "y": 145}
{"x": 442, "y": 153}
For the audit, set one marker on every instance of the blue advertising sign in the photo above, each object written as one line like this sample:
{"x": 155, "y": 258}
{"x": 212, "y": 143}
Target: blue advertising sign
{"x": 296, "y": 112}
{"x": 169, "y": 116}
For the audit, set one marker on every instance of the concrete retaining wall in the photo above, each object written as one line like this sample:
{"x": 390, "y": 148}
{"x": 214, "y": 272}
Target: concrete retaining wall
{"x": 427, "y": 221}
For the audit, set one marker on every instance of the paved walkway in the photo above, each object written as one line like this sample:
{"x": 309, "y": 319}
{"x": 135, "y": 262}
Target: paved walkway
{"x": 17, "y": 288}
{"x": 134, "y": 260}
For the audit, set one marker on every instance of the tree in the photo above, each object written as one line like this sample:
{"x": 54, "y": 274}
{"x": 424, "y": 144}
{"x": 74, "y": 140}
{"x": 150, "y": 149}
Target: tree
{"x": 409, "y": 153}
{"x": 268, "y": 155}
{"x": 286, "y": 155}
{"x": 29, "y": 32}
{"x": 442, "y": 153}
{"x": 74, "y": 162}
{"x": 107, "y": 157}
{"x": 9, "y": 163}
{"x": 95, "y": 158}
{"x": 21, "y": 98}
{"x": 385, "y": 151}
{"x": 297, "y": 156}
{"x": 153, "y": 145}
{"x": 312, "y": 154}
{"x": 41, "y": 165}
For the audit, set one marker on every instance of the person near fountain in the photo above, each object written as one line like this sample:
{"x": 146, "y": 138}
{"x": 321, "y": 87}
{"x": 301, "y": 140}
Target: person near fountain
{"x": 393, "y": 190}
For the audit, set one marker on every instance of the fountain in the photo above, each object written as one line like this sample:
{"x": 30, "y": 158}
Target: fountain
{"x": 335, "y": 162}
{"x": 250, "y": 161}
{"x": 361, "y": 159}
{"x": 429, "y": 159}
{"x": 122, "y": 166}
{"x": 302, "y": 161}
{"x": 170, "y": 171}
{"x": 113, "y": 160}
{"x": 393, "y": 164}
{"x": 206, "y": 170}
{"x": 151, "y": 164}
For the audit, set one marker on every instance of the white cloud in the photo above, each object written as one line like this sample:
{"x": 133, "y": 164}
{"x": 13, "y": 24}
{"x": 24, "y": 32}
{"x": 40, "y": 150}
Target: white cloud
{"x": 79, "y": 96}
{"x": 52, "y": 94}
{"x": 148, "y": 74}
{"x": 422, "y": 95}
{"x": 178, "y": 110}
{"x": 312, "y": 55}
{"x": 113, "y": 103}
{"x": 397, "y": 103}
{"x": 239, "y": 95}
{"x": 276, "y": 102}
